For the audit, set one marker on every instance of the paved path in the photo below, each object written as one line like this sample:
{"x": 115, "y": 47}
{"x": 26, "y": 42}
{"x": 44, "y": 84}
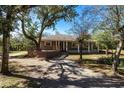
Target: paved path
{"x": 61, "y": 73}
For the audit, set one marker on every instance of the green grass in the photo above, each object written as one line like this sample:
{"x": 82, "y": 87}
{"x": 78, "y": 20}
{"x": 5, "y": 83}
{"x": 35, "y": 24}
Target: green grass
{"x": 11, "y": 82}
{"x": 91, "y": 56}
{"x": 0, "y": 48}
{"x": 97, "y": 58}
{"x": 88, "y": 56}
{"x": 18, "y": 53}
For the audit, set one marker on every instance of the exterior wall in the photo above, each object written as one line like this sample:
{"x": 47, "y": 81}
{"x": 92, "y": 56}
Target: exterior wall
{"x": 56, "y": 45}
{"x": 46, "y": 45}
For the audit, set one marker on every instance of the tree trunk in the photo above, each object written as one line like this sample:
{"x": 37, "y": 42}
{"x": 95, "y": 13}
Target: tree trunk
{"x": 6, "y": 27}
{"x": 27, "y": 36}
{"x": 39, "y": 41}
{"x": 40, "y": 35}
{"x": 116, "y": 60}
{"x": 80, "y": 51}
{"x": 5, "y": 57}
{"x": 41, "y": 31}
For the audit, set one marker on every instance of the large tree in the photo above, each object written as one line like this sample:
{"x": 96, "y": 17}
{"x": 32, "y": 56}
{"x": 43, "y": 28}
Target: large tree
{"x": 84, "y": 25}
{"x": 82, "y": 36}
{"x": 8, "y": 16}
{"x": 6, "y": 28}
{"x": 113, "y": 20}
{"x": 47, "y": 17}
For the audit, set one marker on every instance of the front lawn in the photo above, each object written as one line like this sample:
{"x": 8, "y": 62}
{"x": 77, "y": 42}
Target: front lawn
{"x": 11, "y": 82}
{"x": 86, "y": 56}
{"x": 17, "y": 53}
{"x": 96, "y": 58}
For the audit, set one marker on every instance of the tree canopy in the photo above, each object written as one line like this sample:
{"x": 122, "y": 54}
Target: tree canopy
{"x": 47, "y": 17}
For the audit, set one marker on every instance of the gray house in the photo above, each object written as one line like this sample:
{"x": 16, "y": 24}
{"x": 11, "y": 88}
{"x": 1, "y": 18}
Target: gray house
{"x": 67, "y": 43}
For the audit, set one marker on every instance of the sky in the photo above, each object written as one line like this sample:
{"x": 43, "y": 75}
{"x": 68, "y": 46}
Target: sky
{"x": 63, "y": 27}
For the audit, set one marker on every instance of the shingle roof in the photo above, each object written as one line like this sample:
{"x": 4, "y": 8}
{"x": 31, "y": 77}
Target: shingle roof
{"x": 59, "y": 37}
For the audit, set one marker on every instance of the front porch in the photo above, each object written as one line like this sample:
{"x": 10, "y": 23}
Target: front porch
{"x": 70, "y": 46}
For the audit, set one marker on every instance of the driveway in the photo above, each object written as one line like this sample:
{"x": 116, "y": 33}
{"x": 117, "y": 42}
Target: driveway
{"x": 61, "y": 73}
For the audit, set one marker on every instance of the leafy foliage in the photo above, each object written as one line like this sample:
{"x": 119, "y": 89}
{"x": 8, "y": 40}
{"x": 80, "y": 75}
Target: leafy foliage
{"x": 20, "y": 43}
{"x": 105, "y": 39}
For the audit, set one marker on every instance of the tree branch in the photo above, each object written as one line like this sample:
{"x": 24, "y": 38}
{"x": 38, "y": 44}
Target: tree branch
{"x": 26, "y": 35}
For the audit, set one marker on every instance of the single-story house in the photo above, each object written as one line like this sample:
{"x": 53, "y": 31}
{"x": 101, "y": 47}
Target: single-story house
{"x": 67, "y": 43}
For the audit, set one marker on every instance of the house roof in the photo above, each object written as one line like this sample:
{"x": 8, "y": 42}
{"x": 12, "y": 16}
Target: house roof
{"x": 59, "y": 37}
{"x": 62, "y": 37}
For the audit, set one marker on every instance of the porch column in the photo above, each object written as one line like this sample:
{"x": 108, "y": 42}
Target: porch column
{"x": 63, "y": 45}
{"x": 51, "y": 43}
{"x": 59, "y": 45}
{"x": 56, "y": 45}
{"x": 88, "y": 46}
{"x": 66, "y": 46}
{"x": 78, "y": 48}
